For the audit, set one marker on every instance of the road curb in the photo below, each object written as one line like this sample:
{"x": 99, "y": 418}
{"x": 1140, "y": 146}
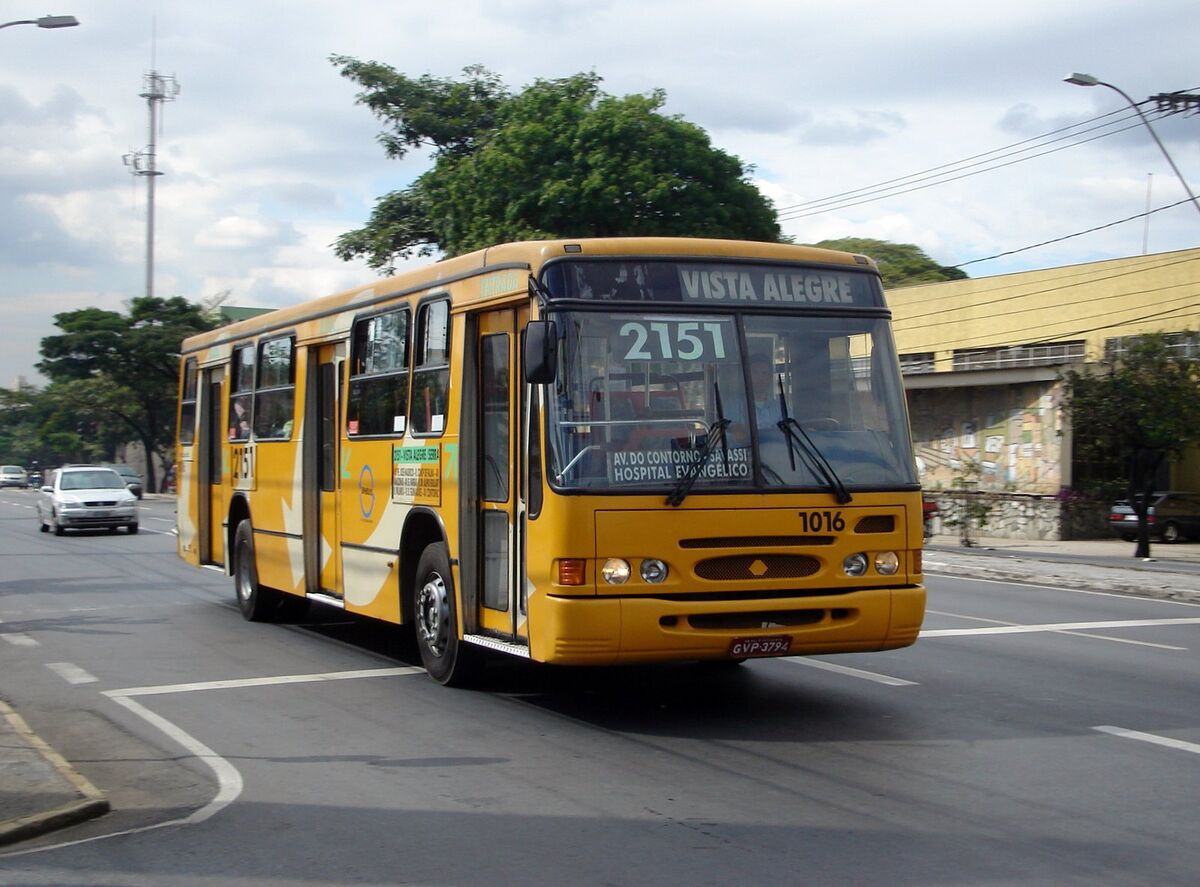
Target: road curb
{"x": 1148, "y": 583}
{"x": 91, "y": 803}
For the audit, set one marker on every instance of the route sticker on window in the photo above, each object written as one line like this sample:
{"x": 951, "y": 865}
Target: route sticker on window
{"x": 659, "y": 466}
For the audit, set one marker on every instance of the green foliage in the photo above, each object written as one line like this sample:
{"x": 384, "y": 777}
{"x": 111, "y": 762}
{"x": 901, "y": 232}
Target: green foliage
{"x": 900, "y": 264}
{"x": 114, "y": 378}
{"x": 559, "y": 159}
{"x": 1134, "y": 412}
{"x": 974, "y": 507}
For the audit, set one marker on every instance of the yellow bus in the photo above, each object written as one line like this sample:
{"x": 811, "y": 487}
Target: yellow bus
{"x": 579, "y": 452}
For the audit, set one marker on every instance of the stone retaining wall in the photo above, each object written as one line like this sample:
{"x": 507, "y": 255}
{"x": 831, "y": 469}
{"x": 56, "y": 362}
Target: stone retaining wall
{"x": 1018, "y": 516}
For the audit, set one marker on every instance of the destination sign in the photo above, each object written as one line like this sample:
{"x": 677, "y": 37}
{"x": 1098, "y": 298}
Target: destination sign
{"x": 712, "y": 283}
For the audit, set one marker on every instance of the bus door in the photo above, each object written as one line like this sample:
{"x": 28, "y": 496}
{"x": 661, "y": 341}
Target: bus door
{"x": 209, "y": 455}
{"x": 322, "y": 529}
{"x": 501, "y": 518}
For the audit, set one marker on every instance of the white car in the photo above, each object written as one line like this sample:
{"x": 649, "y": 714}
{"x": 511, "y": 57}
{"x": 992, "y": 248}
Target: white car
{"x": 86, "y": 497}
{"x": 13, "y": 476}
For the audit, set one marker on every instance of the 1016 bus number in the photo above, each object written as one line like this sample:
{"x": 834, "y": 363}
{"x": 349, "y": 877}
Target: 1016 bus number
{"x": 822, "y": 521}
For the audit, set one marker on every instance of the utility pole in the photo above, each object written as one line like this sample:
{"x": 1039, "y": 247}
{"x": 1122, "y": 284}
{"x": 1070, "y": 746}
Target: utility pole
{"x": 159, "y": 88}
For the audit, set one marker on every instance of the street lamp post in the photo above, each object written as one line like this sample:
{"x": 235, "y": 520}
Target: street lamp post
{"x": 1089, "y": 80}
{"x": 46, "y": 21}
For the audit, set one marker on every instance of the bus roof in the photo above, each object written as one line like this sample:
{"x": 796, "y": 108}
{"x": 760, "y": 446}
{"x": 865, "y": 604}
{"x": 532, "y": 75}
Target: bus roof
{"x": 525, "y": 255}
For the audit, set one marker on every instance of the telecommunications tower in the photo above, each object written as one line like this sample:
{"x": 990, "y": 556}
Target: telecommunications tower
{"x": 159, "y": 88}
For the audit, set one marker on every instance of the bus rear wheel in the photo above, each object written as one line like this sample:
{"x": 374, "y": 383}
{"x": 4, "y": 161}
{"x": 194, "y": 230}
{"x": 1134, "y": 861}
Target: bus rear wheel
{"x": 435, "y": 615}
{"x": 257, "y": 603}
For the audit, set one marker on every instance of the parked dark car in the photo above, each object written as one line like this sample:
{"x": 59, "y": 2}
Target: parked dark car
{"x": 132, "y": 479}
{"x": 1173, "y": 516}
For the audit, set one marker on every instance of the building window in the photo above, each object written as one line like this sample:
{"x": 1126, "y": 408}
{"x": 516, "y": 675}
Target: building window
{"x": 1039, "y": 354}
{"x": 1185, "y": 345}
{"x": 917, "y": 363}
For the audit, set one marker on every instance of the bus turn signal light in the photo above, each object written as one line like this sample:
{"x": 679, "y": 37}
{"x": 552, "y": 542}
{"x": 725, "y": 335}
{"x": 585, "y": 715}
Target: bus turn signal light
{"x": 572, "y": 571}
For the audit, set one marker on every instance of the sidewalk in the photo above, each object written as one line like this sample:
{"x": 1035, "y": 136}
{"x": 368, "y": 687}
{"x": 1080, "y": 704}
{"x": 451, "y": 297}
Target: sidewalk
{"x": 41, "y": 792}
{"x": 1172, "y": 572}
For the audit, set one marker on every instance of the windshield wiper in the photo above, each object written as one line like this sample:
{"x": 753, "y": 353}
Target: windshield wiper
{"x": 799, "y": 441}
{"x": 715, "y": 435}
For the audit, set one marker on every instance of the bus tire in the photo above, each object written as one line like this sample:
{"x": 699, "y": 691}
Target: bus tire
{"x": 257, "y": 603}
{"x": 448, "y": 661}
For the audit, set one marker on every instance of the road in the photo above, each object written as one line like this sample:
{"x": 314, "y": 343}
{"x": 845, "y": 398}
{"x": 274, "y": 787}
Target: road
{"x": 1033, "y": 736}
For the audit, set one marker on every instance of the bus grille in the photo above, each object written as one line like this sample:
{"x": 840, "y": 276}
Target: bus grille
{"x": 764, "y": 566}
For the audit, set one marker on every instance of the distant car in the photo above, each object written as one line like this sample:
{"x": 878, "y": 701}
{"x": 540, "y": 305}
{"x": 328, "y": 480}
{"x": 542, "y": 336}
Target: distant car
{"x": 86, "y": 497}
{"x": 13, "y": 476}
{"x": 132, "y": 479}
{"x": 929, "y": 510}
{"x": 1173, "y": 516}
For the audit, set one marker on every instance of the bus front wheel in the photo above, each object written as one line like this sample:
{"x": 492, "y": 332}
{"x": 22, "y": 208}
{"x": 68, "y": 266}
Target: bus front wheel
{"x": 446, "y": 659}
{"x": 257, "y": 603}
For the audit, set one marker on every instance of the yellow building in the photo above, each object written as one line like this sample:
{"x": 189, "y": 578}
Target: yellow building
{"x": 982, "y": 360}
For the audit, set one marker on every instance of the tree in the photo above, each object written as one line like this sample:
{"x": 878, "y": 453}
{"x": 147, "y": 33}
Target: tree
{"x": 1136, "y": 410}
{"x": 900, "y": 264}
{"x": 118, "y": 374}
{"x": 559, "y": 159}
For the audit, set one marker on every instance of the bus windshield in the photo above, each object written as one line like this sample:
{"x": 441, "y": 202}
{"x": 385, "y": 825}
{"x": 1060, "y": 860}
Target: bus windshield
{"x": 737, "y": 401}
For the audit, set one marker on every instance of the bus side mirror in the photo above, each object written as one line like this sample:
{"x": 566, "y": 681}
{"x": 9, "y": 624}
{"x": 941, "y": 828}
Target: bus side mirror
{"x": 541, "y": 351}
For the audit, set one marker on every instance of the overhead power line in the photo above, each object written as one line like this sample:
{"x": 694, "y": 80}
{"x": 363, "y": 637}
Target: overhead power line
{"x": 1102, "y": 126}
{"x": 1022, "y": 249}
{"x": 951, "y": 175}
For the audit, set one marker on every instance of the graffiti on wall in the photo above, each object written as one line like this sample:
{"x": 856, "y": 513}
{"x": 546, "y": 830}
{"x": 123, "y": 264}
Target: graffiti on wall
{"x": 1011, "y": 431}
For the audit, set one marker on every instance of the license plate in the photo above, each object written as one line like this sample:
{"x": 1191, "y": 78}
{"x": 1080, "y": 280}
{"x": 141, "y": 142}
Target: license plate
{"x": 772, "y": 645}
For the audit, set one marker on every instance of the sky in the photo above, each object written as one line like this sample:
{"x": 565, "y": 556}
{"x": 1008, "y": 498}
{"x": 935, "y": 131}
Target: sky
{"x": 266, "y": 157}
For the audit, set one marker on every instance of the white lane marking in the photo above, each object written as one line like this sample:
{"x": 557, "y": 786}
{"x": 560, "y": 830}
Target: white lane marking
{"x": 229, "y": 780}
{"x": 1152, "y": 738}
{"x": 1054, "y": 626}
{"x": 71, "y": 673}
{"x": 266, "y": 682}
{"x": 850, "y": 672}
{"x": 1082, "y": 634}
{"x": 19, "y": 639}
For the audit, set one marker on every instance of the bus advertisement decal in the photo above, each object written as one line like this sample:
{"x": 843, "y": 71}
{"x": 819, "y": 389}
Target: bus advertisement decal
{"x": 417, "y": 474}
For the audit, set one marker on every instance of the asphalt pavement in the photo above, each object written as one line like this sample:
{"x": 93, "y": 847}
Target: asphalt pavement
{"x": 40, "y": 791}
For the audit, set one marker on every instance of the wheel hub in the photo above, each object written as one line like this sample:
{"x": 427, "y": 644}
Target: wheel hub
{"x": 433, "y": 615}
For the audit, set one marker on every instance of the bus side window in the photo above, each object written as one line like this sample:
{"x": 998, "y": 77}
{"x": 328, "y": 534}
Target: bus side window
{"x": 187, "y": 408}
{"x": 378, "y": 398}
{"x": 274, "y": 394}
{"x": 241, "y": 391}
{"x": 431, "y": 368}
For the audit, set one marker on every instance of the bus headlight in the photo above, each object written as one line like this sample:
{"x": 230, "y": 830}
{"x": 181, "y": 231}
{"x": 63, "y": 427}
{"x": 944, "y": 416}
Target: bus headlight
{"x": 654, "y": 571}
{"x": 887, "y": 563}
{"x": 615, "y": 571}
{"x": 855, "y": 564}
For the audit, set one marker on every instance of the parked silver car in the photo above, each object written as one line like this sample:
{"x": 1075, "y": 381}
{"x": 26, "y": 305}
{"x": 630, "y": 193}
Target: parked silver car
{"x": 1173, "y": 516}
{"x": 86, "y": 497}
{"x": 13, "y": 476}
